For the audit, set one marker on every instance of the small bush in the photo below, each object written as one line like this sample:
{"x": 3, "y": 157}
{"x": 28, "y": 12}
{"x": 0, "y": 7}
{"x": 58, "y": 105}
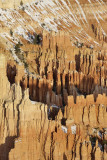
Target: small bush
{"x": 26, "y": 65}
{"x": 37, "y": 39}
{"x": 11, "y": 32}
{"x": 17, "y": 48}
{"x": 43, "y": 24}
{"x": 36, "y": 3}
{"x": 21, "y": 3}
{"x": 23, "y": 8}
{"x": 79, "y": 45}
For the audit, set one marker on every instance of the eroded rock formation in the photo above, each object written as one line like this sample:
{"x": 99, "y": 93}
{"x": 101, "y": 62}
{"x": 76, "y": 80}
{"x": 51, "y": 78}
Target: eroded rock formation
{"x": 67, "y": 126}
{"x": 53, "y": 80}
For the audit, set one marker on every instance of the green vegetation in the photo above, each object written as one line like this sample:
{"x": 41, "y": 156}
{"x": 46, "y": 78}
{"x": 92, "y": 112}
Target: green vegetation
{"x": 25, "y": 64}
{"x": 20, "y": 55}
{"x": 79, "y": 45}
{"x": 11, "y": 32}
{"x": 36, "y": 3}
{"x": 43, "y": 24}
{"x": 17, "y": 48}
{"x": 93, "y": 139}
{"x": 23, "y": 8}
{"x": 36, "y": 39}
{"x": 21, "y": 3}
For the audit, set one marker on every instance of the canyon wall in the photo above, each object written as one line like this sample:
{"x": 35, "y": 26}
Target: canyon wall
{"x": 57, "y": 70}
{"x": 53, "y": 80}
{"x": 27, "y": 133}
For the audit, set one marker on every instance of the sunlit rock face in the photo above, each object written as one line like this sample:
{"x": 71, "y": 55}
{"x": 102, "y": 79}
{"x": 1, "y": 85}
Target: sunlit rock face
{"x": 53, "y": 80}
{"x": 4, "y": 87}
{"x": 33, "y": 130}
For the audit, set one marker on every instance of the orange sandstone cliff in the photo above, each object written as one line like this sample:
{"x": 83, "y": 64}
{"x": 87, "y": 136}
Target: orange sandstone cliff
{"x": 53, "y": 81}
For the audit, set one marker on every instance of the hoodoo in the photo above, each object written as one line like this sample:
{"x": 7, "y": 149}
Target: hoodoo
{"x": 53, "y": 80}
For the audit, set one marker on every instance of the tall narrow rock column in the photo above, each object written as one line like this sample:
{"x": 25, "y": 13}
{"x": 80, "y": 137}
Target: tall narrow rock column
{"x": 4, "y": 85}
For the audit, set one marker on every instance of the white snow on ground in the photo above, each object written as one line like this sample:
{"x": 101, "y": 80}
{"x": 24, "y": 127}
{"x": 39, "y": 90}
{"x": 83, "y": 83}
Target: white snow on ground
{"x": 51, "y": 13}
{"x": 81, "y": 10}
{"x": 16, "y": 57}
{"x": 99, "y": 16}
{"x": 99, "y": 134}
{"x": 103, "y": 31}
{"x": 18, "y": 140}
{"x": 64, "y": 129}
{"x": 22, "y": 32}
{"x": 73, "y": 129}
{"x": 33, "y": 102}
{"x": 96, "y": 43}
{"x": 54, "y": 106}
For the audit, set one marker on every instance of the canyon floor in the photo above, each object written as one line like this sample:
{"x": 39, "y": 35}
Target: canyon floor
{"x": 53, "y": 80}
